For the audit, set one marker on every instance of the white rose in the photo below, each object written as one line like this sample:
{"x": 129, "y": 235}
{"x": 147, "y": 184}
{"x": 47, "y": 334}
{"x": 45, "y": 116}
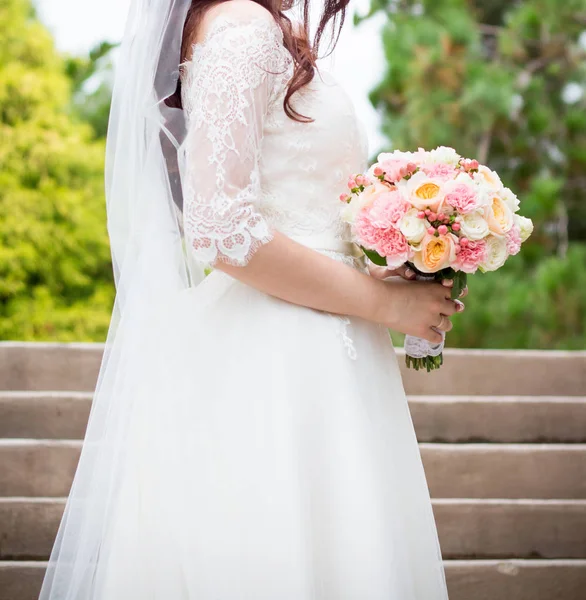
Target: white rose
{"x": 363, "y": 200}
{"x": 496, "y": 253}
{"x": 412, "y": 227}
{"x": 525, "y": 226}
{"x": 510, "y": 199}
{"x": 396, "y": 155}
{"x": 474, "y": 226}
{"x": 441, "y": 155}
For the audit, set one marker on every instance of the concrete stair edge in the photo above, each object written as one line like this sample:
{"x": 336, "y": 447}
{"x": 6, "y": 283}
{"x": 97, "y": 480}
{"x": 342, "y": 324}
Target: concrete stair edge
{"x": 461, "y": 419}
{"x": 468, "y": 528}
{"x": 46, "y": 468}
{"x": 25, "y": 365}
{"x": 481, "y": 580}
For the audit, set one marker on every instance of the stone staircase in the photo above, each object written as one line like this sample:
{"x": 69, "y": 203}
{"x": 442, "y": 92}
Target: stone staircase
{"x": 502, "y": 434}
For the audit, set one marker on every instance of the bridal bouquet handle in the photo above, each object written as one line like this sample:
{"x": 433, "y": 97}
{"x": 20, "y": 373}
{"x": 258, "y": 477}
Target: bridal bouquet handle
{"x": 444, "y": 215}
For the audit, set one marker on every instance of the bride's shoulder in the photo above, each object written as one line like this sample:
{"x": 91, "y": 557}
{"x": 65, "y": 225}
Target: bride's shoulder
{"x": 235, "y": 11}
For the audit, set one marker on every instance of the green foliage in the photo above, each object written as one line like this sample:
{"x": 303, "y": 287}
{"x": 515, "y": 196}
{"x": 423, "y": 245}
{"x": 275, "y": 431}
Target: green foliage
{"x": 521, "y": 307}
{"x": 55, "y": 273}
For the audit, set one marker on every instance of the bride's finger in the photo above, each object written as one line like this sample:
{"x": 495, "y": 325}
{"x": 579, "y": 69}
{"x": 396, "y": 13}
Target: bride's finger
{"x": 403, "y": 271}
{"x": 379, "y": 272}
{"x": 444, "y": 325}
{"x": 464, "y": 292}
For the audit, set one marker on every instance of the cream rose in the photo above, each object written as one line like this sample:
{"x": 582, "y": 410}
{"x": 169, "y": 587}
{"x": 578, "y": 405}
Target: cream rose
{"x": 412, "y": 227}
{"x": 525, "y": 226}
{"x": 496, "y": 253}
{"x": 510, "y": 199}
{"x": 363, "y": 200}
{"x": 435, "y": 253}
{"x": 485, "y": 175}
{"x": 423, "y": 191}
{"x": 474, "y": 226}
{"x": 498, "y": 216}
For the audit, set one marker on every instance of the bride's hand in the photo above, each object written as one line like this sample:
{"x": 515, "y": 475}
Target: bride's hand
{"x": 405, "y": 272}
{"x": 418, "y": 308}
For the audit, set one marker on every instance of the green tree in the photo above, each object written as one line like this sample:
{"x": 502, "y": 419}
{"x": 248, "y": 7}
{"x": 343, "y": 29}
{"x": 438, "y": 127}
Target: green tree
{"x": 55, "y": 273}
{"x": 92, "y": 78}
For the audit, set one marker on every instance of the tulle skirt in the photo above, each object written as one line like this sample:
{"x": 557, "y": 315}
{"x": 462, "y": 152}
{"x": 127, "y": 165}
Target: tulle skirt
{"x": 270, "y": 455}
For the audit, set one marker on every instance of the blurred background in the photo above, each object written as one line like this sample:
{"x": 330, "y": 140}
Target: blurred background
{"x": 502, "y": 81}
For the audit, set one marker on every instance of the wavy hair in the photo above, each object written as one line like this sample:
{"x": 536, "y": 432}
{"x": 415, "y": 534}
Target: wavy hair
{"x": 296, "y": 41}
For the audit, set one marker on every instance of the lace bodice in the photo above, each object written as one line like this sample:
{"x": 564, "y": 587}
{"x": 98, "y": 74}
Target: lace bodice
{"x": 250, "y": 169}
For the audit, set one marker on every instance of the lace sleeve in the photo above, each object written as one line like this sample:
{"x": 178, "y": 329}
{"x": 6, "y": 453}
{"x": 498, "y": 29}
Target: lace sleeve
{"x": 228, "y": 87}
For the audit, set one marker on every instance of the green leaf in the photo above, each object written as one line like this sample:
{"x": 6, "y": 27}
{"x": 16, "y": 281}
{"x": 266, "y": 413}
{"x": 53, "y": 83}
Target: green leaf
{"x": 374, "y": 257}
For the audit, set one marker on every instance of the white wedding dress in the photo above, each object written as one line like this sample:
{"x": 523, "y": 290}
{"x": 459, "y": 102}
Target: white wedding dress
{"x": 270, "y": 453}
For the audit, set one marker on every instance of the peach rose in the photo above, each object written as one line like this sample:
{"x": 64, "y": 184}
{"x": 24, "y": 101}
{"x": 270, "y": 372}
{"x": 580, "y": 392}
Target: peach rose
{"x": 499, "y": 216}
{"x": 435, "y": 253}
{"x": 423, "y": 191}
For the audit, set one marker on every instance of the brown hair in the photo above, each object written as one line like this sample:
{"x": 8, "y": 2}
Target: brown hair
{"x": 296, "y": 42}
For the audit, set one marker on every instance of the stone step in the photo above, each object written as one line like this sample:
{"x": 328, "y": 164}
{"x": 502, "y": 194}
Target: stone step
{"x": 44, "y": 415}
{"x": 467, "y": 580}
{"x": 502, "y": 529}
{"x": 64, "y": 415}
{"x": 541, "y": 471}
{"x": 538, "y": 471}
{"x": 74, "y": 367}
{"x": 509, "y": 419}
{"x": 467, "y": 528}
{"x": 516, "y": 579}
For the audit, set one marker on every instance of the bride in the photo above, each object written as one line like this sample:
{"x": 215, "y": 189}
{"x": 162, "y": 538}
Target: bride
{"x": 250, "y": 437}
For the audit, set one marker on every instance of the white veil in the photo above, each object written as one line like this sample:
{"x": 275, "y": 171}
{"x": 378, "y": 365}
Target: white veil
{"x": 143, "y": 193}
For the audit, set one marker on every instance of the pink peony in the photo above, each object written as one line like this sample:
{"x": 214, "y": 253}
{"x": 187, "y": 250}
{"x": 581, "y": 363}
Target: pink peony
{"x": 387, "y": 241}
{"x": 514, "y": 240}
{"x": 462, "y": 197}
{"x": 470, "y": 256}
{"x": 397, "y": 168}
{"x": 440, "y": 171}
{"x": 388, "y": 209}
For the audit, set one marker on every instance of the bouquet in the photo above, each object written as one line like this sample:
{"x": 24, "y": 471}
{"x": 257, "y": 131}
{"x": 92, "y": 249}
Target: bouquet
{"x": 444, "y": 215}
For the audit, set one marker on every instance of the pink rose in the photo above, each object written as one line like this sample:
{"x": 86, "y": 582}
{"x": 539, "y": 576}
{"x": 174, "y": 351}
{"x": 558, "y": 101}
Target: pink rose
{"x": 387, "y": 241}
{"x": 396, "y": 169}
{"x": 470, "y": 256}
{"x": 463, "y": 197}
{"x": 439, "y": 171}
{"x": 388, "y": 209}
{"x": 513, "y": 240}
